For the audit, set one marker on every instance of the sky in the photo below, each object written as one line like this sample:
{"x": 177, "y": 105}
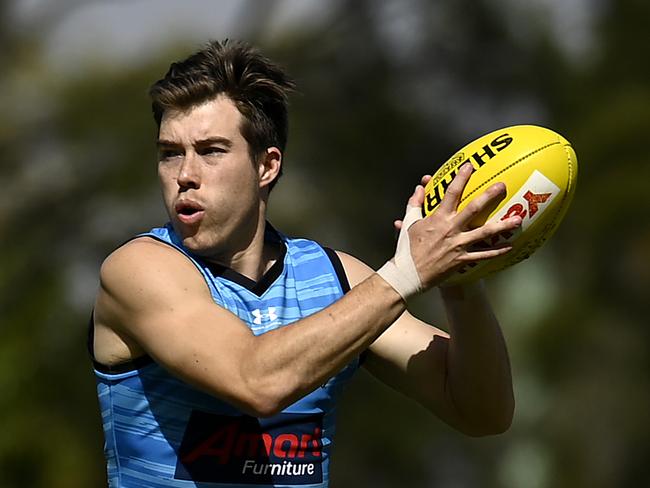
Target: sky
{"x": 125, "y": 31}
{"x": 122, "y": 31}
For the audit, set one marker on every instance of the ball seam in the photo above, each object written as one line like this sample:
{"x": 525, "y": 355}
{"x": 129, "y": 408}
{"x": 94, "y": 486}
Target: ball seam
{"x": 514, "y": 163}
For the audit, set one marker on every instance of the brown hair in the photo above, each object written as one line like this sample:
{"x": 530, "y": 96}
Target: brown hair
{"x": 258, "y": 87}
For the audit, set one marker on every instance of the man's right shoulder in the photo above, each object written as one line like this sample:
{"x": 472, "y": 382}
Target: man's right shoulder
{"x": 145, "y": 282}
{"x": 142, "y": 248}
{"x": 144, "y": 261}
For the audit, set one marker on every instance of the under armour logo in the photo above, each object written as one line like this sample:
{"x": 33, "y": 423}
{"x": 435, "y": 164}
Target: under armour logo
{"x": 269, "y": 316}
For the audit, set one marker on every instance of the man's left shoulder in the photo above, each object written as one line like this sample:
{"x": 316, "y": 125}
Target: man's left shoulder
{"x": 355, "y": 270}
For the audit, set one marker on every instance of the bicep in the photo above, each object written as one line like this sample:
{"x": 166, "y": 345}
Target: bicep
{"x": 156, "y": 297}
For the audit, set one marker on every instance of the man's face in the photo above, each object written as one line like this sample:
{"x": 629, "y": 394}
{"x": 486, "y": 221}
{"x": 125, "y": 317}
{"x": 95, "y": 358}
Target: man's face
{"x": 209, "y": 184}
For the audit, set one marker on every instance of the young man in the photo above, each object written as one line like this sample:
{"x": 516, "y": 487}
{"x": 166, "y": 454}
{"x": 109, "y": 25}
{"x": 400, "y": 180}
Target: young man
{"x": 220, "y": 344}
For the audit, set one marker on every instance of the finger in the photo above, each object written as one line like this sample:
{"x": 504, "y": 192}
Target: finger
{"x": 485, "y": 254}
{"x": 489, "y": 198}
{"x": 417, "y": 198}
{"x": 425, "y": 179}
{"x": 490, "y": 230}
{"x": 451, "y": 199}
{"x": 397, "y": 226}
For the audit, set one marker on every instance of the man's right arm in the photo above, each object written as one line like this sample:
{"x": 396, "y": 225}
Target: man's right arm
{"x": 155, "y": 296}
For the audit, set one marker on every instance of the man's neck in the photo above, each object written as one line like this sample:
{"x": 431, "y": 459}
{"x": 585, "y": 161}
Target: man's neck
{"x": 257, "y": 258}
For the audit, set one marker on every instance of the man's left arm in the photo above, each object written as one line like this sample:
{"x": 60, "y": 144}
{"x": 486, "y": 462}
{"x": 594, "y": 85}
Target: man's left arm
{"x": 463, "y": 377}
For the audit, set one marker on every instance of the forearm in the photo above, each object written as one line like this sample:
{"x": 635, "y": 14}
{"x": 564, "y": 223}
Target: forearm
{"x": 479, "y": 379}
{"x": 285, "y": 364}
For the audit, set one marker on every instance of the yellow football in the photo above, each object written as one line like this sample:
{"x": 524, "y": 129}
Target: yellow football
{"x": 539, "y": 169}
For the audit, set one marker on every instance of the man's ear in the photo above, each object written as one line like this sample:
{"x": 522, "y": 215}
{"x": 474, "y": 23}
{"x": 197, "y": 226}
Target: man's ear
{"x": 269, "y": 166}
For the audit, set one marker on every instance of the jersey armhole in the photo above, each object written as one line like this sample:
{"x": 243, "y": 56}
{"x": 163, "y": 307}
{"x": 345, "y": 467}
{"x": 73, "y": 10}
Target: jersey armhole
{"x": 345, "y": 284}
{"x": 125, "y": 367}
{"x": 338, "y": 268}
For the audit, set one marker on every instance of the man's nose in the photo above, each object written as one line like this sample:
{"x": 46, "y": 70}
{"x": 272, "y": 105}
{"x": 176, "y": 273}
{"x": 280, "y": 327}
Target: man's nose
{"x": 189, "y": 174}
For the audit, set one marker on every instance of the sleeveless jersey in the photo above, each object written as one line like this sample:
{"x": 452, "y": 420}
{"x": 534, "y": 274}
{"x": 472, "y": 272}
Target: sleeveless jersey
{"x": 162, "y": 432}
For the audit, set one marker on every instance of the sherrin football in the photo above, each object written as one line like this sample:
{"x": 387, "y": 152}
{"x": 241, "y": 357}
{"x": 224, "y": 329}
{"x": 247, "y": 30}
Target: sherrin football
{"x": 539, "y": 169}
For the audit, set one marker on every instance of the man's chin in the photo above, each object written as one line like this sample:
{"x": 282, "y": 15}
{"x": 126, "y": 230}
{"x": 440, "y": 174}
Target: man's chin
{"x": 197, "y": 246}
{"x": 194, "y": 245}
{"x": 190, "y": 237}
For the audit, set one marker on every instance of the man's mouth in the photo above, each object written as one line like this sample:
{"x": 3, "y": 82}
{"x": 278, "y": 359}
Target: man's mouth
{"x": 189, "y": 212}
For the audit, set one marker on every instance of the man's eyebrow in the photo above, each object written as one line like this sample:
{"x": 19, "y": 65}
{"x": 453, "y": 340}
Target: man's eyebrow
{"x": 214, "y": 140}
{"x": 164, "y": 142}
{"x": 201, "y": 142}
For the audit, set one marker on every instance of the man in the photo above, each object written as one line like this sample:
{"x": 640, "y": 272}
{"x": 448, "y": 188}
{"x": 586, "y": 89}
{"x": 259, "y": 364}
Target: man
{"x": 220, "y": 344}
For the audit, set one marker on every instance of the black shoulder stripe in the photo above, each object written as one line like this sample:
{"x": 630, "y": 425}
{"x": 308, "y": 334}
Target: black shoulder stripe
{"x": 90, "y": 344}
{"x": 124, "y": 367}
{"x": 345, "y": 284}
{"x": 338, "y": 267}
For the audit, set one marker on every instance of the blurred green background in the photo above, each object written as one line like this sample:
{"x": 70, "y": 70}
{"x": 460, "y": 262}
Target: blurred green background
{"x": 389, "y": 90}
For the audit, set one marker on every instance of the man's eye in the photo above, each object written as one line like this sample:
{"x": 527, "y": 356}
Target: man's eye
{"x": 168, "y": 154}
{"x": 211, "y": 151}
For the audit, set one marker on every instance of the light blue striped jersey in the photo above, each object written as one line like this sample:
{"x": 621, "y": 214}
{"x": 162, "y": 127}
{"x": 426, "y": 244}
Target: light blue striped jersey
{"x": 162, "y": 432}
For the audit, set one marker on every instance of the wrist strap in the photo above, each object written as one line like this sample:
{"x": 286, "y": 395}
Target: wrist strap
{"x": 400, "y": 272}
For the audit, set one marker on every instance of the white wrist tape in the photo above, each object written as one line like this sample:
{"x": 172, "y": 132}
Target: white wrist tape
{"x": 400, "y": 272}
